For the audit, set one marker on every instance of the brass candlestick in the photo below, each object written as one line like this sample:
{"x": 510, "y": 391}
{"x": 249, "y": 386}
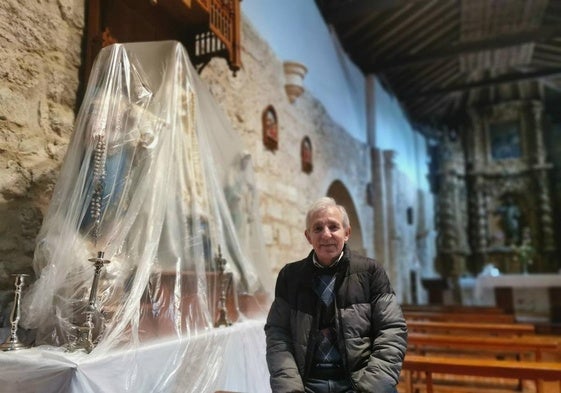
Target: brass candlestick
{"x": 12, "y": 343}
{"x": 224, "y": 285}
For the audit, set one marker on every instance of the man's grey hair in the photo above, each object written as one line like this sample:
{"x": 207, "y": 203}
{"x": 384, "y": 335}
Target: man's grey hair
{"x": 325, "y": 203}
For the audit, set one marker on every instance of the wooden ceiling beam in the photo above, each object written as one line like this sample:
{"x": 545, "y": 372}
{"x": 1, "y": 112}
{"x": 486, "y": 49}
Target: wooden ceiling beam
{"x": 337, "y": 12}
{"x": 506, "y": 78}
{"x": 402, "y": 30}
{"x": 538, "y": 35}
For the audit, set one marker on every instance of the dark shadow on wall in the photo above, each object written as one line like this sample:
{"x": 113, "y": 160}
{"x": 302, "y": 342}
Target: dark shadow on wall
{"x": 21, "y": 221}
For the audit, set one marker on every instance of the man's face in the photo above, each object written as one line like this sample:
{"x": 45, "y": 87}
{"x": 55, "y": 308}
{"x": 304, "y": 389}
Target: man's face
{"x": 327, "y": 235}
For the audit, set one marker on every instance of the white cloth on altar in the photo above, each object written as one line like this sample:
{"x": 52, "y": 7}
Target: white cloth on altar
{"x": 529, "y": 291}
{"x": 237, "y": 364}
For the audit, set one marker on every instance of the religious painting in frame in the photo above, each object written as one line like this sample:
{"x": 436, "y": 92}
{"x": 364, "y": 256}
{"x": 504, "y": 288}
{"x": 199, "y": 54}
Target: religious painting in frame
{"x": 270, "y": 128}
{"x": 505, "y": 140}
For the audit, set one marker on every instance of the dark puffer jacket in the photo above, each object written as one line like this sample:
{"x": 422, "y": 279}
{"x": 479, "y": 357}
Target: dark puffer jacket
{"x": 371, "y": 328}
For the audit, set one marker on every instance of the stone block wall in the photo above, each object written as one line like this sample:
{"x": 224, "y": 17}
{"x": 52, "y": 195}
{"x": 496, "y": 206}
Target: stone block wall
{"x": 285, "y": 190}
{"x": 40, "y": 58}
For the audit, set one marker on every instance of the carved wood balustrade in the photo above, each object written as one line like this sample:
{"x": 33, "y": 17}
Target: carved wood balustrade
{"x": 207, "y": 28}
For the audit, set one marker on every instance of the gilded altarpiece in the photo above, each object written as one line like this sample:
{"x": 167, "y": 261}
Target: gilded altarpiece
{"x": 507, "y": 179}
{"x": 494, "y": 205}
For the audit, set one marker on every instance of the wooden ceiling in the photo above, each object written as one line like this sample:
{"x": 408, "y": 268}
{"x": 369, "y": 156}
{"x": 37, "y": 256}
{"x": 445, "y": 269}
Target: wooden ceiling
{"x": 441, "y": 57}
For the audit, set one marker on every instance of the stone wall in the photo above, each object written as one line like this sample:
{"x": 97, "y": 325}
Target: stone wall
{"x": 285, "y": 190}
{"x": 40, "y": 60}
{"x": 40, "y": 57}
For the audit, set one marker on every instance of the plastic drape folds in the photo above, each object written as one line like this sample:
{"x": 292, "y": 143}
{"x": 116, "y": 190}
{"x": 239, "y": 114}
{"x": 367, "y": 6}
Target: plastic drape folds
{"x": 155, "y": 188}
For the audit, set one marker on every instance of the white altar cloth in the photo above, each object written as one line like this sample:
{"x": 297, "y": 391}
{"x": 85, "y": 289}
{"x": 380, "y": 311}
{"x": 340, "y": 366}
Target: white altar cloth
{"x": 529, "y": 291}
{"x": 238, "y": 366}
{"x": 520, "y": 281}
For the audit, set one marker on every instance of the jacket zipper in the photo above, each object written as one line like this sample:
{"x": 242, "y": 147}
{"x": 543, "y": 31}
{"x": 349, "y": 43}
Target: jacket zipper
{"x": 312, "y": 341}
{"x": 341, "y": 343}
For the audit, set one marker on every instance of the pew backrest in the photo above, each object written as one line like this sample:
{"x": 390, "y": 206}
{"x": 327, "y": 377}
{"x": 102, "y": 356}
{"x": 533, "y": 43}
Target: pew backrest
{"x": 471, "y": 327}
{"x": 453, "y": 308}
{"x": 461, "y": 343}
{"x": 459, "y": 317}
{"x": 522, "y": 370}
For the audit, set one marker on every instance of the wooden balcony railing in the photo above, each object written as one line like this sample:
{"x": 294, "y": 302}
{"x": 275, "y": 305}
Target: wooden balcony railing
{"x": 214, "y": 28}
{"x": 225, "y": 24}
{"x": 207, "y": 28}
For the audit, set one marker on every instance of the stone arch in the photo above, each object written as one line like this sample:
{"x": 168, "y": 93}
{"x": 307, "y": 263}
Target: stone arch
{"x": 340, "y": 193}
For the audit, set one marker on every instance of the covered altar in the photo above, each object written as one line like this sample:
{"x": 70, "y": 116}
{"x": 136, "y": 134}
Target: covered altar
{"x": 531, "y": 297}
{"x": 236, "y": 363}
{"x": 150, "y": 270}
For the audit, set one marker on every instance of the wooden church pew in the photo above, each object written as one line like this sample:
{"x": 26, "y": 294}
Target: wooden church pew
{"x": 459, "y": 317}
{"x": 453, "y": 308}
{"x": 497, "y": 345}
{"x": 415, "y": 365}
{"x": 468, "y": 334}
{"x": 471, "y": 327}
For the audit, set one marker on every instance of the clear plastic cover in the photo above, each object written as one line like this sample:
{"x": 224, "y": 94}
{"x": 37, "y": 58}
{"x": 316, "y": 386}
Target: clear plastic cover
{"x": 155, "y": 193}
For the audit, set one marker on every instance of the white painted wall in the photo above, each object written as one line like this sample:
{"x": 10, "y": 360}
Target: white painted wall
{"x": 394, "y": 132}
{"x": 295, "y": 30}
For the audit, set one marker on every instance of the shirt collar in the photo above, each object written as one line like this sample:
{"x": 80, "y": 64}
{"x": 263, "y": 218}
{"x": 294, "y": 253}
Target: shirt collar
{"x": 317, "y": 264}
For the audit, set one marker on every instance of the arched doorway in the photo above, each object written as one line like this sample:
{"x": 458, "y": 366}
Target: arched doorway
{"x": 339, "y": 192}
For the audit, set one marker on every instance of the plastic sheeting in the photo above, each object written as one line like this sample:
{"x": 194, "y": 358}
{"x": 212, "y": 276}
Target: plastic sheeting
{"x": 155, "y": 187}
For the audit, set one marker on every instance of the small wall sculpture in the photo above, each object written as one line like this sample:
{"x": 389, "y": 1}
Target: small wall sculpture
{"x": 306, "y": 155}
{"x": 270, "y": 128}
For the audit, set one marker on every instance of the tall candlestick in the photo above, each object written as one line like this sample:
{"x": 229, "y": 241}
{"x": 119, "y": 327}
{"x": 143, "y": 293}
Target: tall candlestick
{"x": 224, "y": 283}
{"x": 12, "y": 343}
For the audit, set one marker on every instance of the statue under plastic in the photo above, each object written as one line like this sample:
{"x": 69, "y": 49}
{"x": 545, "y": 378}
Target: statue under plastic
{"x": 142, "y": 201}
